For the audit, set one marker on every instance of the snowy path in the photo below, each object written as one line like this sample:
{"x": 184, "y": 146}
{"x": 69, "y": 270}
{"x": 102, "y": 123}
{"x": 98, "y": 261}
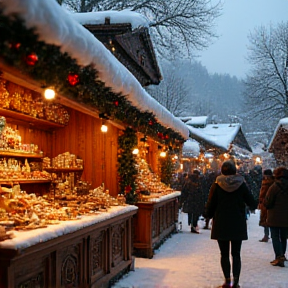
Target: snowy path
{"x": 189, "y": 260}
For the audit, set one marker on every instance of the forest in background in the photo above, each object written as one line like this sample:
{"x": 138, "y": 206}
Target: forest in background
{"x": 218, "y": 96}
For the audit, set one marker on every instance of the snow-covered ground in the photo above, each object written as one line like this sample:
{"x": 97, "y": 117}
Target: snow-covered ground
{"x": 189, "y": 260}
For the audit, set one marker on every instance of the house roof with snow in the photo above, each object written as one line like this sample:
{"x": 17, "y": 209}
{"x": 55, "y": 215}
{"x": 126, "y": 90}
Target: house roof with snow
{"x": 126, "y": 35}
{"x": 279, "y": 142}
{"x": 55, "y": 26}
{"x": 220, "y": 136}
{"x": 195, "y": 121}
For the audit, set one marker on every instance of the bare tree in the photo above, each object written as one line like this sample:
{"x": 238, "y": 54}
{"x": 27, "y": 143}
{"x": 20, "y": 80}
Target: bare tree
{"x": 179, "y": 26}
{"x": 266, "y": 84}
{"x": 172, "y": 92}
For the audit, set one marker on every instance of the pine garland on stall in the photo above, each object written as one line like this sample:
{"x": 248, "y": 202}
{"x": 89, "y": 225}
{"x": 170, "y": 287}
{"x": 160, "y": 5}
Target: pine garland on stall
{"x": 127, "y": 165}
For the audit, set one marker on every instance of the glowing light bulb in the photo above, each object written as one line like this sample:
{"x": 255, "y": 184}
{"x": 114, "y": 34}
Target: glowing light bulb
{"x": 104, "y": 128}
{"x": 49, "y": 94}
{"x": 135, "y": 151}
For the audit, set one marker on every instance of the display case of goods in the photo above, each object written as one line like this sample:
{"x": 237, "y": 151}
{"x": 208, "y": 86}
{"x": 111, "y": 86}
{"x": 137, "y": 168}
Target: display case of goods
{"x": 20, "y": 163}
{"x": 157, "y": 211}
{"x": 25, "y": 104}
{"x": 148, "y": 183}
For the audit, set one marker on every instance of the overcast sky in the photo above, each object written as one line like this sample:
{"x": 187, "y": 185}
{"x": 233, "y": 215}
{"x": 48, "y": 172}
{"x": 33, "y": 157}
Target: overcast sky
{"x": 228, "y": 53}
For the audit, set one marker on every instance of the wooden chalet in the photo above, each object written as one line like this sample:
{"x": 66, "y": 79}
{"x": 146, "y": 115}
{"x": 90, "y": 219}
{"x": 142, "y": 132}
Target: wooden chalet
{"x": 279, "y": 143}
{"x": 132, "y": 47}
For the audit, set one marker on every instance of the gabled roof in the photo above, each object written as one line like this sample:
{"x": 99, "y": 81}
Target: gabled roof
{"x": 220, "y": 136}
{"x": 279, "y": 141}
{"x": 126, "y": 35}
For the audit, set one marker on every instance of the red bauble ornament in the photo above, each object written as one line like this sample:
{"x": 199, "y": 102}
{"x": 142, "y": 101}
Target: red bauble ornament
{"x": 73, "y": 79}
{"x": 116, "y": 103}
{"x": 160, "y": 135}
{"x": 166, "y": 136}
{"x": 31, "y": 59}
{"x": 150, "y": 122}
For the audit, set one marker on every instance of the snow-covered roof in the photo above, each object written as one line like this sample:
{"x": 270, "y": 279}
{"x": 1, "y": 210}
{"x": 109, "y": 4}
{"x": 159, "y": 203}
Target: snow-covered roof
{"x": 190, "y": 148}
{"x": 56, "y": 26}
{"x": 283, "y": 123}
{"x": 194, "y": 119}
{"x": 116, "y": 17}
{"x": 217, "y": 135}
{"x": 198, "y": 120}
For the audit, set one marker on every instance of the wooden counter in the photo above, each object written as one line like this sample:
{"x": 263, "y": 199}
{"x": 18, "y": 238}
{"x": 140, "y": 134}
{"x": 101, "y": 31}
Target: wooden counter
{"x": 154, "y": 222}
{"x": 89, "y": 252}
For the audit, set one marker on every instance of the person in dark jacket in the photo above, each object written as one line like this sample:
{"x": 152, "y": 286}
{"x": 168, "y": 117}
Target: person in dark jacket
{"x": 226, "y": 204}
{"x": 276, "y": 202}
{"x": 267, "y": 181}
{"x": 192, "y": 199}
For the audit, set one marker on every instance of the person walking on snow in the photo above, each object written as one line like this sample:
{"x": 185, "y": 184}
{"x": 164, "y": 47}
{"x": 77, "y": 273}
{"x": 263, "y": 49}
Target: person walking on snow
{"x": 267, "y": 181}
{"x": 192, "y": 200}
{"x": 226, "y": 204}
{"x": 276, "y": 202}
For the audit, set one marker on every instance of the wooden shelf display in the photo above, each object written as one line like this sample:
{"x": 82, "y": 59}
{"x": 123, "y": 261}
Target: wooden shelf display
{"x": 20, "y": 118}
{"x": 10, "y": 153}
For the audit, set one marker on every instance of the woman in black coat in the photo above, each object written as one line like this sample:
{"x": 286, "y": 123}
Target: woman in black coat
{"x": 226, "y": 204}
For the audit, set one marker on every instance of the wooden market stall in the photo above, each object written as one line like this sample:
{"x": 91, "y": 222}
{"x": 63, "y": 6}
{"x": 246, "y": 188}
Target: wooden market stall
{"x": 279, "y": 144}
{"x": 57, "y": 153}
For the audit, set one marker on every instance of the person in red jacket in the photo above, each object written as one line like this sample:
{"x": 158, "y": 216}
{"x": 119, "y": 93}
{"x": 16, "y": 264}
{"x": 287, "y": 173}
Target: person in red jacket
{"x": 276, "y": 202}
{"x": 226, "y": 204}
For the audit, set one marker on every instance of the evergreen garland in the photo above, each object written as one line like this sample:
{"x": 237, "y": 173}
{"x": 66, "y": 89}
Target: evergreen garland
{"x": 127, "y": 171}
{"x": 52, "y": 69}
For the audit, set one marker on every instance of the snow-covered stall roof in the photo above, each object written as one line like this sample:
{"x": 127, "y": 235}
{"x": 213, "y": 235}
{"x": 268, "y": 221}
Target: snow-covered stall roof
{"x": 282, "y": 125}
{"x": 116, "y": 17}
{"x": 56, "y": 26}
{"x": 190, "y": 148}
{"x": 217, "y": 135}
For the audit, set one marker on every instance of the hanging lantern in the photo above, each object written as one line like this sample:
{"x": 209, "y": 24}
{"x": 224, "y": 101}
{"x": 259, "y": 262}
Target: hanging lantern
{"x": 31, "y": 59}
{"x": 73, "y": 79}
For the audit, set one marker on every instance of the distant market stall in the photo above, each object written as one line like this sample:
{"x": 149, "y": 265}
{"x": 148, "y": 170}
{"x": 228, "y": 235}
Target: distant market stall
{"x": 279, "y": 143}
{"x": 62, "y": 146}
{"x": 217, "y": 142}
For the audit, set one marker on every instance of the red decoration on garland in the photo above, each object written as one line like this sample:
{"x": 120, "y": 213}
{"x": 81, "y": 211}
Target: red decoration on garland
{"x": 166, "y": 136}
{"x": 31, "y": 59}
{"x": 14, "y": 45}
{"x": 150, "y": 122}
{"x": 160, "y": 135}
{"x": 73, "y": 79}
{"x": 128, "y": 188}
{"x": 116, "y": 103}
